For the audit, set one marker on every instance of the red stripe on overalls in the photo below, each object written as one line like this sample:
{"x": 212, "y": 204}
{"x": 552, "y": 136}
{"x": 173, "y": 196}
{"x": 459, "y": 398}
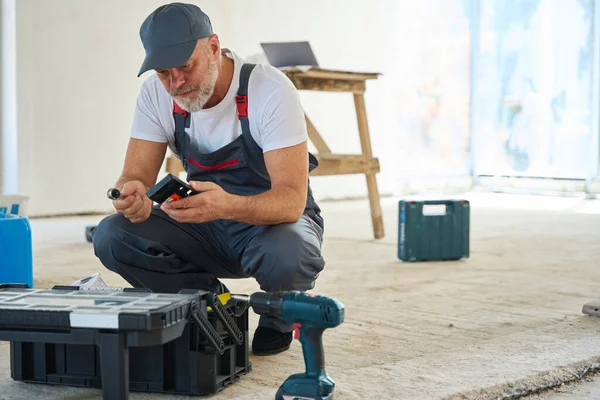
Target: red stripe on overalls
{"x": 214, "y": 167}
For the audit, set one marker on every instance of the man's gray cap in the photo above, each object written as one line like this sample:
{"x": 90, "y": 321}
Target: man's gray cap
{"x": 170, "y": 34}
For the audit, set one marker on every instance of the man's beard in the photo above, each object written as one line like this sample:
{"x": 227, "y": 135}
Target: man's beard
{"x": 201, "y": 93}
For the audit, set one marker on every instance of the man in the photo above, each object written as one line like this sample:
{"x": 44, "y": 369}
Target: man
{"x": 240, "y": 133}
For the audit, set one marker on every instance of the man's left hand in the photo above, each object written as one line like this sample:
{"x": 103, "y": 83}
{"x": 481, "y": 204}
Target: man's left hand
{"x": 209, "y": 204}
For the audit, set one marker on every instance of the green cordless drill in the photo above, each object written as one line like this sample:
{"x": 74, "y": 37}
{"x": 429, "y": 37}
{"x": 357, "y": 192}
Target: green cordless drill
{"x": 309, "y": 315}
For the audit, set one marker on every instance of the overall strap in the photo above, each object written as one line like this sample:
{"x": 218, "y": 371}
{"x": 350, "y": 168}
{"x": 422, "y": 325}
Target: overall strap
{"x": 242, "y": 97}
{"x": 182, "y": 119}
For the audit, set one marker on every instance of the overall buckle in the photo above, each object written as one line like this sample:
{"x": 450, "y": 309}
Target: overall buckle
{"x": 179, "y": 110}
{"x": 242, "y": 106}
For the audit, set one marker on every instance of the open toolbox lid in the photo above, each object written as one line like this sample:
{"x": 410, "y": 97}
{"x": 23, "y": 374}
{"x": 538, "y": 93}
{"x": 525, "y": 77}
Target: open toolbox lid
{"x": 110, "y": 308}
{"x": 102, "y": 308}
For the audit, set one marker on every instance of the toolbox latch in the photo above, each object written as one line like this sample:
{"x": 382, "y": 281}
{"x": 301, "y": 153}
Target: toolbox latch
{"x": 232, "y": 328}
{"x": 204, "y": 325}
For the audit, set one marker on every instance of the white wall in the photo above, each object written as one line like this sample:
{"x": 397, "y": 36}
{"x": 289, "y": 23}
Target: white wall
{"x": 77, "y": 62}
{"x": 2, "y": 117}
{"x": 346, "y": 35}
{"x": 8, "y": 108}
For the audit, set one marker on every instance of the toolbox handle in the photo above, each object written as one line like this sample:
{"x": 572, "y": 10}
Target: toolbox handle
{"x": 438, "y": 202}
{"x": 429, "y": 206}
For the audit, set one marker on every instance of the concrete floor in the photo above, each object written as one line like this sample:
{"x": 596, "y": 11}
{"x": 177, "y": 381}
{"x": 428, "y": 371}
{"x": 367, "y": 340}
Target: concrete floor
{"x": 507, "y": 318}
{"x": 584, "y": 391}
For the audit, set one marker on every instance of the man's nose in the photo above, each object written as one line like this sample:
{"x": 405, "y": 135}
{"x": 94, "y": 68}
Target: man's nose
{"x": 177, "y": 79}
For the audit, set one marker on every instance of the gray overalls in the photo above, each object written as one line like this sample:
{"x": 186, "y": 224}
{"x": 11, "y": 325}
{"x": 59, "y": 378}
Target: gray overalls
{"x": 166, "y": 256}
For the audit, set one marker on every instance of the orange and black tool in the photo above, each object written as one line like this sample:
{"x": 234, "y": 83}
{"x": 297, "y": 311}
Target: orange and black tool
{"x": 170, "y": 188}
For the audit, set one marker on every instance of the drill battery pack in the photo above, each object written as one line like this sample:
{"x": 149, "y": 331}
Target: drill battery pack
{"x": 433, "y": 230}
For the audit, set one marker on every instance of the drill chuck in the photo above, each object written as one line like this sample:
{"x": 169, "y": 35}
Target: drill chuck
{"x": 267, "y": 303}
{"x": 263, "y": 303}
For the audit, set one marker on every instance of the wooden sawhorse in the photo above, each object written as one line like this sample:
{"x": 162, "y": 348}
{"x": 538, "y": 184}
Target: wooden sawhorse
{"x": 330, "y": 163}
{"x": 338, "y": 164}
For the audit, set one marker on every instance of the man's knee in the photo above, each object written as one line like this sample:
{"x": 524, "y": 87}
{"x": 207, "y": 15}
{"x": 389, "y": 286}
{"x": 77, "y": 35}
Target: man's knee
{"x": 104, "y": 237}
{"x": 284, "y": 257}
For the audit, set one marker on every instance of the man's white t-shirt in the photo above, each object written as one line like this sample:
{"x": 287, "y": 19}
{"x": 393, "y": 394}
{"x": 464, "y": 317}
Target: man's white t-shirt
{"x": 274, "y": 111}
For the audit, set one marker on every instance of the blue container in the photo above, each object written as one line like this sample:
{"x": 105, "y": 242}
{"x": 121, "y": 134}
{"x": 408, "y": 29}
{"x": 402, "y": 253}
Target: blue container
{"x": 16, "y": 259}
{"x": 438, "y": 236}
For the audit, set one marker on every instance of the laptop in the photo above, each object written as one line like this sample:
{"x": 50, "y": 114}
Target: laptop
{"x": 289, "y": 54}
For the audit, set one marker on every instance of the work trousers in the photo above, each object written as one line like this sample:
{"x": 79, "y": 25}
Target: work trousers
{"x": 166, "y": 256}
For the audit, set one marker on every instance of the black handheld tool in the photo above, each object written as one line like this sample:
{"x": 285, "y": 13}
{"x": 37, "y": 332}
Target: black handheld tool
{"x": 113, "y": 193}
{"x": 168, "y": 189}
{"x": 309, "y": 315}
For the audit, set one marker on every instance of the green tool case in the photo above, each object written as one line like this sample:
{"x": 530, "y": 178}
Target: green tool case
{"x": 433, "y": 236}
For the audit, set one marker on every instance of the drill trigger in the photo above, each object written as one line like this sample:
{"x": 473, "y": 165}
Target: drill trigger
{"x": 296, "y": 327}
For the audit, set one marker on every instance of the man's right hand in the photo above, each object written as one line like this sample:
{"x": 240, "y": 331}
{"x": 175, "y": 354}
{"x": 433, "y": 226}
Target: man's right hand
{"x": 134, "y": 204}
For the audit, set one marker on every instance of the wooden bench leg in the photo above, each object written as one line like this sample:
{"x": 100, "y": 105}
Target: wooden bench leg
{"x": 376, "y": 214}
{"x": 365, "y": 143}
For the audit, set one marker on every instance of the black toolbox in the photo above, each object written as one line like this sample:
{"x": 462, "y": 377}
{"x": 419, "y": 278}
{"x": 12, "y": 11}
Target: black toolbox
{"x": 433, "y": 230}
{"x": 188, "y": 343}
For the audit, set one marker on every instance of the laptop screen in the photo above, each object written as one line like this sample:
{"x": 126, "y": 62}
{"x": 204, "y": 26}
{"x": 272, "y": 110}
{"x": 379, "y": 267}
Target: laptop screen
{"x": 289, "y": 54}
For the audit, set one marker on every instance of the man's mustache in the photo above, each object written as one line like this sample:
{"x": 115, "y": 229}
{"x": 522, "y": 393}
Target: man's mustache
{"x": 183, "y": 90}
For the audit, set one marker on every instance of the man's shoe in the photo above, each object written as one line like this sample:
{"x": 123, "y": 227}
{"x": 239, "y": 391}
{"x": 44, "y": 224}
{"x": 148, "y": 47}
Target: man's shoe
{"x": 268, "y": 341}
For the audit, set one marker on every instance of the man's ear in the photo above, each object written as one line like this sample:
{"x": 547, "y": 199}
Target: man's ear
{"x": 214, "y": 45}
